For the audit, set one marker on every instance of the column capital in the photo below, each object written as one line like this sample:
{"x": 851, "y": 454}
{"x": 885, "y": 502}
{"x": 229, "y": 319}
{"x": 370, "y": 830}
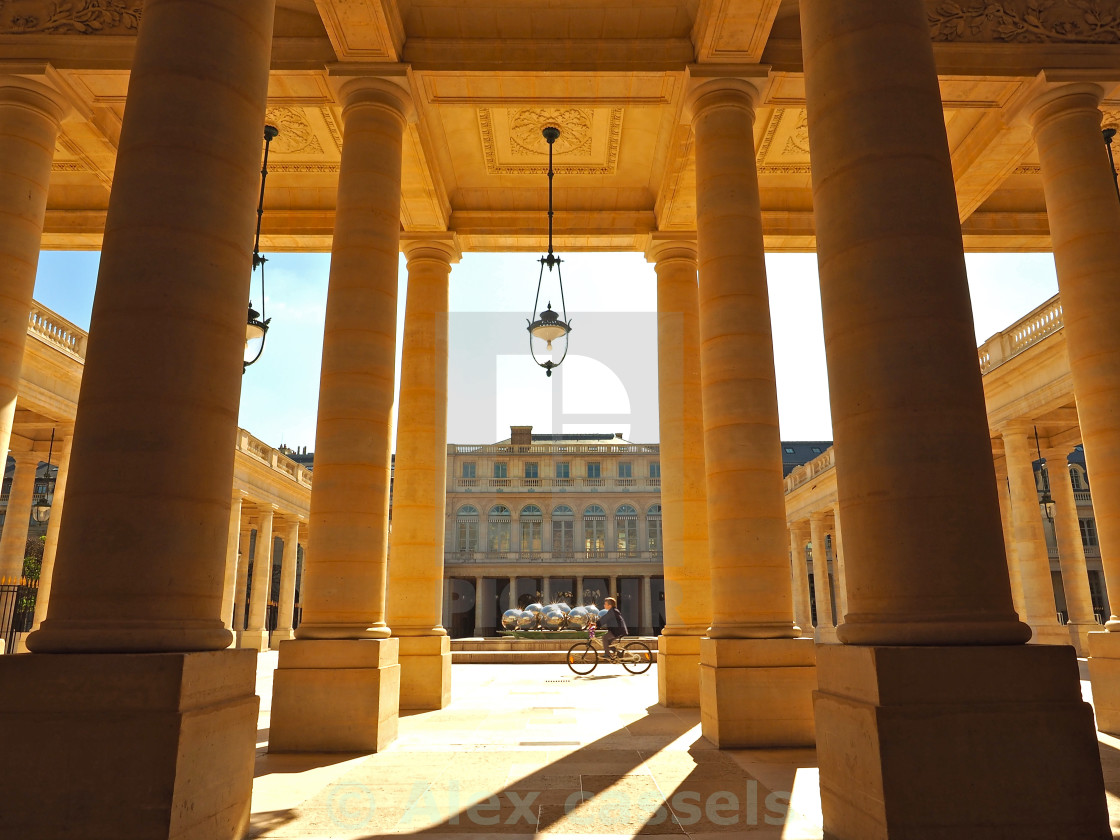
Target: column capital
{"x": 441, "y": 247}
{"x": 672, "y": 247}
{"x": 354, "y": 87}
{"x": 734, "y": 90}
{"x": 820, "y": 516}
{"x": 1056, "y": 455}
{"x": 1052, "y": 94}
{"x": 37, "y": 94}
{"x": 25, "y": 456}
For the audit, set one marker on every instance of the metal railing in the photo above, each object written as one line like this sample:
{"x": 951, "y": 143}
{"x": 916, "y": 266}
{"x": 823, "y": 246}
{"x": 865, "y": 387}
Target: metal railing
{"x": 612, "y": 483}
{"x": 605, "y": 448}
{"x": 17, "y": 609}
{"x": 459, "y": 558}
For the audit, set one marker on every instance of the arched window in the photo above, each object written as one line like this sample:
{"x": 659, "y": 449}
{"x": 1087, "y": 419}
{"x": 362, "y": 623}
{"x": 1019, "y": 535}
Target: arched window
{"x": 498, "y": 529}
{"x": 466, "y": 528}
{"x": 1076, "y": 478}
{"x": 653, "y": 528}
{"x": 595, "y": 531}
{"x": 563, "y": 531}
{"x": 532, "y": 522}
{"x": 626, "y": 530}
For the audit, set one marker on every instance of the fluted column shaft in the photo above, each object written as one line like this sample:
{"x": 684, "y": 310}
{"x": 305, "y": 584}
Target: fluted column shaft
{"x": 262, "y": 572}
{"x": 751, "y": 595}
{"x": 344, "y": 589}
{"x": 420, "y": 481}
{"x": 1030, "y": 540}
{"x": 1071, "y": 551}
{"x": 30, "y": 113}
{"x": 1084, "y": 218}
{"x": 229, "y": 585}
{"x": 17, "y": 517}
{"x": 1003, "y": 487}
{"x": 684, "y": 517}
{"x": 802, "y": 609}
{"x": 50, "y": 545}
{"x": 899, "y": 337}
{"x": 287, "y": 598}
{"x": 822, "y": 586}
{"x": 241, "y": 593}
{"x": 162, "y": 376}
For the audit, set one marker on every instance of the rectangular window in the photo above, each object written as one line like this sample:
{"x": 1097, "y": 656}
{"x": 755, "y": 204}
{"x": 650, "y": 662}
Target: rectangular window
{"x": 593, "y": 469}
{"x": 1088, "y": 532}
{"x": 655, "y": 469}
{"x": 468, "y": 469}
{"x": 500, "y": 470}
{"x": 468, "y": 534}
{"x": 563, "y": 470}
{"x": 562, "y": 536}
{"x": 531, "y": 470}
{"x": 625, "y": 469}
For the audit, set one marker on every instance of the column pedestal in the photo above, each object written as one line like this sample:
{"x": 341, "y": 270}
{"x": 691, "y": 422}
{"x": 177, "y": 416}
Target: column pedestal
{"x": 757, "y": 692}
{"x": 154, "y": 745}
{"x": 255, "y": 640}
{"x": 678, "y": 677}
{"x": 1104, "y": 674}
{"x": 335, "y": 696}
{"x": 425, "y": 672}
{"x": 904, "y": 731}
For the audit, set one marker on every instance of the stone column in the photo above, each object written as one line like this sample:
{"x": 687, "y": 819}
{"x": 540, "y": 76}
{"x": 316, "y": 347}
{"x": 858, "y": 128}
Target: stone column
{"x": 1003, "y": 489}
{"x": 159, "y": 397}
{"x": 578, "y": 594}
{"x": 546, "y": 594}
{"x": 50, "y": 545}
{"x": 17, "y": 518}
{"x": 420, "y": 483}
{"x": 241, "y": 592}
{"x": 822, "y": 585}
{"x": 255, "y": 635}
{"x": 344, "y": 591}
{"x": 838, "y": 567}
{"x": 684, "y": 514}
{"x": 513, "y": 593}
{"x": 931, "y": 643}
{"x": 752, "y": 600}
{"x": 229, "y": 584}
{"x": 799, "y": 571}
{"x": 30, "y": 112}
{"x": 1071, "y": 551}
{"x": 478, "y": 625}
{"x": 287, "y": 598}
{"x": 1040, "y": 610}
{"x": 645, "y": 614}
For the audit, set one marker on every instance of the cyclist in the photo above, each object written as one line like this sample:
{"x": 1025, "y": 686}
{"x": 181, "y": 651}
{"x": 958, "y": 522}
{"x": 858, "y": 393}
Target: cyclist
{"x": 615, "y": 625}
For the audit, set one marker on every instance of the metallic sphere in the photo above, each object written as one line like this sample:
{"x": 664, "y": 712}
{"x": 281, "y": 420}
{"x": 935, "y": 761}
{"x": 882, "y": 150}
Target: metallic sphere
{"x": 526, "y": 620}
{"x": 578, "y": 619}
{"x": 552, "y": 620}
{"x": 603, "y": 612}
{"x": 535, "y": 609}
{"x": 509, "y": 619}
{"x": 564, "y": 608}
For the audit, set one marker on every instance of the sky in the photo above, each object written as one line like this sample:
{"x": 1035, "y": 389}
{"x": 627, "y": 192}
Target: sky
{"x": 607, "y": 383}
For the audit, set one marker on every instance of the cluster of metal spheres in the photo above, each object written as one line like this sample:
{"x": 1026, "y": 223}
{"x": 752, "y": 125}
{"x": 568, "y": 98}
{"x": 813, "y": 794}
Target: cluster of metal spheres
{"x": 551, "y": 617}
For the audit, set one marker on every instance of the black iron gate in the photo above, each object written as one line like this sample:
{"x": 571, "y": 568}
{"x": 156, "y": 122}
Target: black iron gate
{"x": 17, "y": 610}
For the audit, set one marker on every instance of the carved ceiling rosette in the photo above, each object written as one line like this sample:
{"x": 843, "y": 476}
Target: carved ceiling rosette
{"x": 1026, "y": 21}
{"x": 296, "y": 133}
{"x": 526, "y": 125}
{"x": 70, "y": 17}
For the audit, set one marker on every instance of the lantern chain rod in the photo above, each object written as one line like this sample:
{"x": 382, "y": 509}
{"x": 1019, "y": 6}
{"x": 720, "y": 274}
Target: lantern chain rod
{"x": 270, "y": 131}
{"x": 1109, "y": 133}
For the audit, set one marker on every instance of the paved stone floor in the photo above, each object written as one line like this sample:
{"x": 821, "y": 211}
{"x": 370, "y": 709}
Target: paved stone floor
{"x": 526, "y": 750}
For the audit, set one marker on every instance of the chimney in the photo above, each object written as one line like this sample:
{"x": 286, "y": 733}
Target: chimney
{"x": 618, "y": 435}
{"x": 521, "y": 435}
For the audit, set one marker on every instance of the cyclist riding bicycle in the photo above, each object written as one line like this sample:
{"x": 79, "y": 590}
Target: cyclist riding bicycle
{"x": 615, "y": 625}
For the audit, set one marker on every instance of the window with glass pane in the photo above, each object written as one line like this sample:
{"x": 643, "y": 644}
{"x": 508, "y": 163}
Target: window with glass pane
{"x": 531, "y": 470}
{"x": 500, "y": 469}
{"x": 595, "y": 531}
{"x": 653, "y": 528}
{"x": 1088, "y": 532}
{"x": 625, "y": 469}
{"x": 468, "y": 469}
{"x": 655, "y": 469}
{"x": 498, "y": 529}
{"x": 563, "y": 470}
{"x": 466, "y": 527}
{"x": 593, "y": 469}
{"x": 531, "y": 525}
{"x": 626, "y": 530}
{"x": 1075, "y": 478}
{"x": 563, "y": 533}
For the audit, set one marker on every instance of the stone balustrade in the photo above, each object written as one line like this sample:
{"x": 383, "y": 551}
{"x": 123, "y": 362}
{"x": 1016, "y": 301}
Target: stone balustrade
{"x": 55, "y": 330}
{"x": 1027, "y": 331}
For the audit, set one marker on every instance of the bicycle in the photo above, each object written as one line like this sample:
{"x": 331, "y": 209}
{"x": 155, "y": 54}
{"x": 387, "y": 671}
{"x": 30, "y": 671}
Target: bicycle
{"x": 583, "y": 657}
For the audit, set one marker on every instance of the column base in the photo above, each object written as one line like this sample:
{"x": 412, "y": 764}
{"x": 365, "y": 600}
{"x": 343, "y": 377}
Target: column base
{"x": 1104, "y": 676}
{"x": 956, "y": 743}
{"x": 129, "y": 746}
{"x": 280, "y": 635}
{"x": 757, "y": 692}
{"x": 335, "y": 696}
{"x": 826, "y": 635}
{"x": 678, "y": 671}
{"x": 253, "y": 640}
{"x": 1050, "y": 633}
{"x": 1079, "y": 635}
{"x": 425, "y": 672}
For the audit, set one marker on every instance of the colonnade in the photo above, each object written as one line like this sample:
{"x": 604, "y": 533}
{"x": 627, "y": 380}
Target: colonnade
{"x": 930, "y": 643}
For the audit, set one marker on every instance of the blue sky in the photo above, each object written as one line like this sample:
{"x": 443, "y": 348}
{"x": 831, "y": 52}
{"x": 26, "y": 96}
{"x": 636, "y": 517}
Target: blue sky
{"x": 609, "y": 380}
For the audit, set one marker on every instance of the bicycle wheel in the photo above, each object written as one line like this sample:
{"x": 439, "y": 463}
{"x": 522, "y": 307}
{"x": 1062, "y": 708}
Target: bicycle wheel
{"x": 636, "y": 657}
{"x": 582, "y": 658}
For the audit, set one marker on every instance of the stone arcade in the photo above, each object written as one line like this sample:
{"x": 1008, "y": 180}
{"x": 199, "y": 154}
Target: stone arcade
{"x": 411, "y": 126}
